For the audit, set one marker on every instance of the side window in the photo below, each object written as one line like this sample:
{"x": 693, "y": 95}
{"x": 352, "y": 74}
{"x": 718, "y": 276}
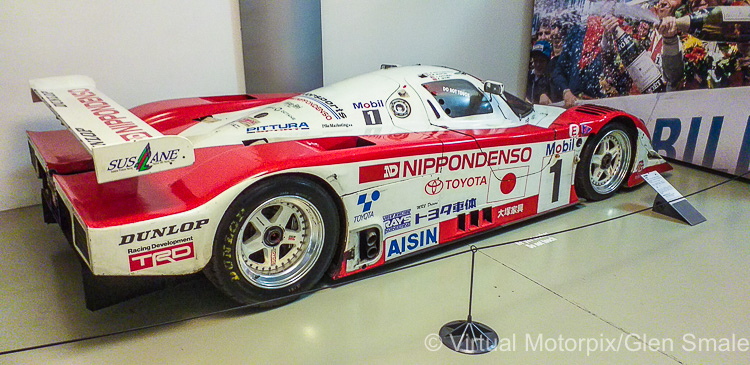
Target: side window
{"x": 458, "y": 98}
{"x": 518, "y": 105}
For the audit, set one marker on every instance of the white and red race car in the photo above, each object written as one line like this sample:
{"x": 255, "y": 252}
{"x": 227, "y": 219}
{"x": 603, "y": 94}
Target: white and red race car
{"x": 267, "y": 193}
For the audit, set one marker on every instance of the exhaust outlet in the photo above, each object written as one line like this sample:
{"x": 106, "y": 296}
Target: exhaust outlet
{"x": 369, "y": 244}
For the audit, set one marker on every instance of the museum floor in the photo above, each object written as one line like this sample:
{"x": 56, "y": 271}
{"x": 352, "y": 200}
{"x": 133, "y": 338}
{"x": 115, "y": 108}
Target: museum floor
{"x": 643, "y": 288}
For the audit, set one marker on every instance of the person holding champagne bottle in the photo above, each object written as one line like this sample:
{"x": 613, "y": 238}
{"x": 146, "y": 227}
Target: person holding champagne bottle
{"x": 709, "y": 24}
{"x": 672, "y": 68}
{"x": 645, "y": 66}
{"x": 715, "y": 23}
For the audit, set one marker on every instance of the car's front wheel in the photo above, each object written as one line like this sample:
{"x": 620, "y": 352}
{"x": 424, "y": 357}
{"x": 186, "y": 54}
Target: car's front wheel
{"x": 275, "y": 240}
{"x": 605, "y": 162}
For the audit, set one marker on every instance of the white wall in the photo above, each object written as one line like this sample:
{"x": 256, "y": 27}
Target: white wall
{"x": 486, "y": 38}
{"x": 137, "y": 51}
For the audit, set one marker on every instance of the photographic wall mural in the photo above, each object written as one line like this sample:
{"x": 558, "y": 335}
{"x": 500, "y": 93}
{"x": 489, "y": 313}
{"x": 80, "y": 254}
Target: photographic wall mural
{"x": 682, "y": 66}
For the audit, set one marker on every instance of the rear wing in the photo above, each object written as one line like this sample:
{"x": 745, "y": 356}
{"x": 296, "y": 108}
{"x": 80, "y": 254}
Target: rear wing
{"x": 121, "y": 144}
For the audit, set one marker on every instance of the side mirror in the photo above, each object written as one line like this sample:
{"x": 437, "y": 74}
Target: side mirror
{"x": 494, "y": 87}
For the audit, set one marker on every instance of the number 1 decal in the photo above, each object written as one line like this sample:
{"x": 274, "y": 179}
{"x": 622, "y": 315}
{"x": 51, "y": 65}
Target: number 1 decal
{"x": 556, "y": 169}
{"x": 556, "y": 181}
{"x": 372, "y": 117}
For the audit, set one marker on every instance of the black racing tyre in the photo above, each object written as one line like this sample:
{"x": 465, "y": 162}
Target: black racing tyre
{"x": 605, "y": 162}
{"x": 275, "y": 240}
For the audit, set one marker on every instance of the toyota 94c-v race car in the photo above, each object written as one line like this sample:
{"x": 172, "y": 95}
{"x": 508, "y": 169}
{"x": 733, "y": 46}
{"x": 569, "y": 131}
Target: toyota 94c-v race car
{"x": 267, "y": 193}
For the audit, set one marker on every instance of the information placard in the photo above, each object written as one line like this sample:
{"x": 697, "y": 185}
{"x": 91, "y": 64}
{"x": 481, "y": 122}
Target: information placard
{"x": 670, "y": 202}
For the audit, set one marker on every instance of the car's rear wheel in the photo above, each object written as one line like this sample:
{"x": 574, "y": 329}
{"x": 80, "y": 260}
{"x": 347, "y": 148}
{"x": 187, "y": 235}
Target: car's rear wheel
{"x": 605, "y": 162}
{"x": 275, "y": 240}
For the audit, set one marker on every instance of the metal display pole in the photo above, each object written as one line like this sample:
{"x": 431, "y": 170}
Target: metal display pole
{"x": 469, "y": 337}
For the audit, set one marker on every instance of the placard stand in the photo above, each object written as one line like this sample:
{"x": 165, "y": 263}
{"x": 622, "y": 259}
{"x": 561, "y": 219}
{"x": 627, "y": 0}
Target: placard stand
{"x": 469, "y": 337}
{"x": 670, "y": 202}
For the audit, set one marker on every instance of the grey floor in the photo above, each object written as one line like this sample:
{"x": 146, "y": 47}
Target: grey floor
{"x": 643, "y": 288}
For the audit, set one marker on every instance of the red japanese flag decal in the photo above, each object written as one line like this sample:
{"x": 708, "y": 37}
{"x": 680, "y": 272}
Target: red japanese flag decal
{"x": 506, "y": 184}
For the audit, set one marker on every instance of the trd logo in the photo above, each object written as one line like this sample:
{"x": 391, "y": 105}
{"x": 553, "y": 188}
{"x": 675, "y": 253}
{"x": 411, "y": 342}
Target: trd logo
{"x": 159, "y": 257}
